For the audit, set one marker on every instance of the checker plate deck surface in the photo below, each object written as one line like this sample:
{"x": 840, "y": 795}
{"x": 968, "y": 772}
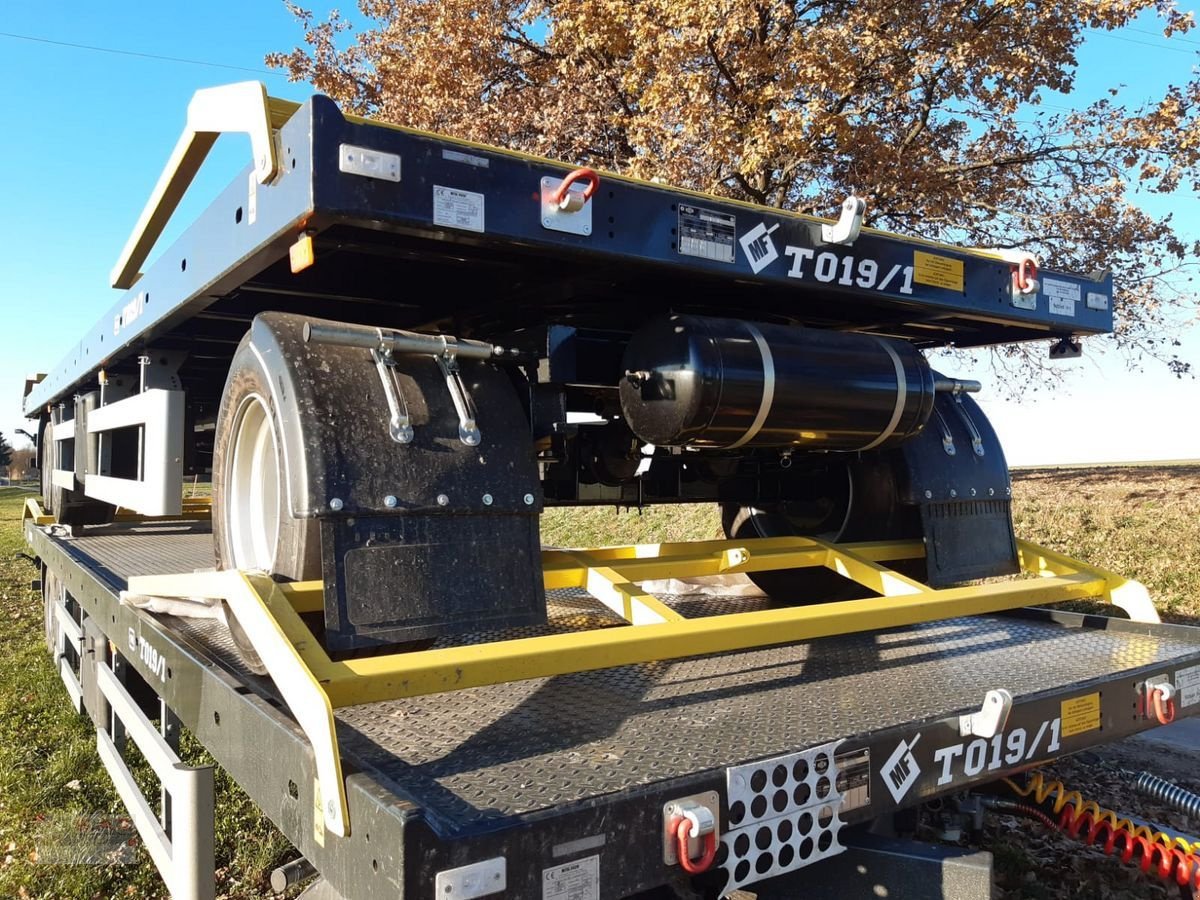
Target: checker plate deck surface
{"x": 494, "y": 752}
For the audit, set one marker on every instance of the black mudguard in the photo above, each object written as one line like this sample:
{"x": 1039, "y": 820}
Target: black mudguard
{"x": 955, "y": 473}
{"x": 411, "y": 567}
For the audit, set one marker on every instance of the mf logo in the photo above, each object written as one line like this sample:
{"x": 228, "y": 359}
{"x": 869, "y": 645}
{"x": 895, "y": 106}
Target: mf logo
{"x": 759, "y": 248}
{"x": 901, "y": 771}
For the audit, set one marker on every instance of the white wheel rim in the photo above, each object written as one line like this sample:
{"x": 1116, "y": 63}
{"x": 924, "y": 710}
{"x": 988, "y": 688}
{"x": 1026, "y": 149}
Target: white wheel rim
{"x": 252, "y": 489}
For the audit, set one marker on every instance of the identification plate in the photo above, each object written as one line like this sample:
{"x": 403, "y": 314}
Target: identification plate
{"x": 578, "y": 880}
{"x": 706, "y": 233}
{"x": 455, "y": 208}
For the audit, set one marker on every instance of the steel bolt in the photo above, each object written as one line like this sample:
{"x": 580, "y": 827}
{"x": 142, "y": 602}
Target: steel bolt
{"x": 443, "y": 500}
{"x": 487, "y": 499}
{"x": 929, "y": 495}
{"x": 529, "y": 499}
{"x": 953, "y": 493}
{"x": 390, "y": 501}
{"x": 336, "y": 504}
{"x": 991, "y": 492}
{"x": 546, "y": 222}
{"x": 972, "y": 492}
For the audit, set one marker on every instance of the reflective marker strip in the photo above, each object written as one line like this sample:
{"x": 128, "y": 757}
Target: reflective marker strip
{"x": 768, "y": 394}
{"x": 901, "y": 396}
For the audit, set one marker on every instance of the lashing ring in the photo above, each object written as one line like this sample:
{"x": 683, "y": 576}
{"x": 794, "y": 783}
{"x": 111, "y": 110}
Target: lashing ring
{"x": 1025, "y": 275}
{"x": 559, "y": 197}
{"x": 682, "y": 828}
{"x": 1164, "y": 714}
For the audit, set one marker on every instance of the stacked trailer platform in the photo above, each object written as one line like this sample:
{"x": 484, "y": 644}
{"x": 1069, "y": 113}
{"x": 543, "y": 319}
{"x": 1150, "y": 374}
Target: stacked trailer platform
{"x": 391, "y": 351}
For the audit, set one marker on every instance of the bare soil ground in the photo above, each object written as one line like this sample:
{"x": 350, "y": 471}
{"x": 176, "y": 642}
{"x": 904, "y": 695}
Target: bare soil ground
{"x": 1142, "y": 522}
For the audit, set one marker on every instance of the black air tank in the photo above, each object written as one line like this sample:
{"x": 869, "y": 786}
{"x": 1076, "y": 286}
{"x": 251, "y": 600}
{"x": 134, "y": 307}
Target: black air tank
{"x": 724, "y": 383}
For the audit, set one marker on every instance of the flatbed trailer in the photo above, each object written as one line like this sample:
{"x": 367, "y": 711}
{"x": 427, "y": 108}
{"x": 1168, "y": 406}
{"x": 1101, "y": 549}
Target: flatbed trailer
{"x": 569, "y": 776}
{"x": 391, "y": 350}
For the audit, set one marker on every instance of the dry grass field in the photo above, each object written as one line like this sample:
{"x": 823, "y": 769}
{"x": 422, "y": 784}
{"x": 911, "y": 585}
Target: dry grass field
{"x": 1142, "y": 522}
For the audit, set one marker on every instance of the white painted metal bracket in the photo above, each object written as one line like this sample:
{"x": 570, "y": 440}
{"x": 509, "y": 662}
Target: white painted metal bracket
{"x": 232, "y": 108}
{"x": 159, "y": 492}
{"x": 60, "y": 432}
{"x": 991, "y": 718}
{"x": 182, "y": 849}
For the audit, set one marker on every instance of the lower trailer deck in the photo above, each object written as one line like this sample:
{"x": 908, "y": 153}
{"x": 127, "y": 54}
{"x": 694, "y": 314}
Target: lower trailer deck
{"x": 575, "y": 753}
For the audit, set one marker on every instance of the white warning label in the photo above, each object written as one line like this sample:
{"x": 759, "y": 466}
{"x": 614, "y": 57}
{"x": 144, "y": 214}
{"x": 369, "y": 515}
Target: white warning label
{"x": 1061, "y": 296}
{"x": 457, "y": 209}
{"x": 1188, "y": 682}
{"x": 578, "y": 880}
{"x": 1063, "y": 290}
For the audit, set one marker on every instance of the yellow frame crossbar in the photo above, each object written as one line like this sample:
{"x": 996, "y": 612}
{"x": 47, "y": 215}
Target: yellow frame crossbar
{"x": 313, "y": 685}
{"x": 194, "y": 508}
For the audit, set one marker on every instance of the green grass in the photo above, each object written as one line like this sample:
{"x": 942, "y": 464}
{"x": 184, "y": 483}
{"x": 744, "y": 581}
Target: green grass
{"x": 1142, "y": 522}
{"x": 50, "y": 775}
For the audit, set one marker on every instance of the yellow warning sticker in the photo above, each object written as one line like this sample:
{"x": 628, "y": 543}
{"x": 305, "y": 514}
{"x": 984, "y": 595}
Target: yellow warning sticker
{"x": 1080, "y": 714}
{"x": 318, "y": 815}
{"x": 938, "y": 271}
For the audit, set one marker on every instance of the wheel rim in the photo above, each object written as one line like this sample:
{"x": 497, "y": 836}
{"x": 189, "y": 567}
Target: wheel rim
{"x": 252, "y": 490}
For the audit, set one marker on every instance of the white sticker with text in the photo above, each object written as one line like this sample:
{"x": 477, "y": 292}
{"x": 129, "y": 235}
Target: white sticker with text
{"x": 457, "y": 209}
{"x": 1188, "y": 682}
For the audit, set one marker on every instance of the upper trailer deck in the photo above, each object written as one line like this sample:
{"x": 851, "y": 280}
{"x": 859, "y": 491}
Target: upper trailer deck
{"x": 413, "y": 230}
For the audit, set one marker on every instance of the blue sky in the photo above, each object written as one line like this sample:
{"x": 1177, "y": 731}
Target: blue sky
{"x": 88, "y": 132}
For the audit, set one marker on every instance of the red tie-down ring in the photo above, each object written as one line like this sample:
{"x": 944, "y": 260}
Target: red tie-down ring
{"x": 1025, "y": 275}
{"x": 1164, "y": 706}
{"x": 682, "y": 829}
{"x": 561, "y": 196}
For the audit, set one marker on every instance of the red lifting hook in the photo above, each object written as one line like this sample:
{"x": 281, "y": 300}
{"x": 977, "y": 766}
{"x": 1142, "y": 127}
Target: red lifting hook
{"x": 559, "y": 197}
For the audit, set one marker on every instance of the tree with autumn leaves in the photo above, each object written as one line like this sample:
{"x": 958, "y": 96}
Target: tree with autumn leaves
{"x": 931, "y": 110}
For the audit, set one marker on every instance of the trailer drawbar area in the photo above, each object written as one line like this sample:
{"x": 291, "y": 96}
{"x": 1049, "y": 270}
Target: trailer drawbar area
{"x": 390, "y": 351}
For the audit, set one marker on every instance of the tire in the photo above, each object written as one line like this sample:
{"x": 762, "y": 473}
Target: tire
{"x": 867, "y": 507}
{"x": 253, "y": 527}
{"x": 46, "y": 462}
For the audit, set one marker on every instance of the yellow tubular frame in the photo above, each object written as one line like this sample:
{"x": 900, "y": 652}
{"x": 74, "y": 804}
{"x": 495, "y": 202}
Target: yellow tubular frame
{"x": 313, "y": 685}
